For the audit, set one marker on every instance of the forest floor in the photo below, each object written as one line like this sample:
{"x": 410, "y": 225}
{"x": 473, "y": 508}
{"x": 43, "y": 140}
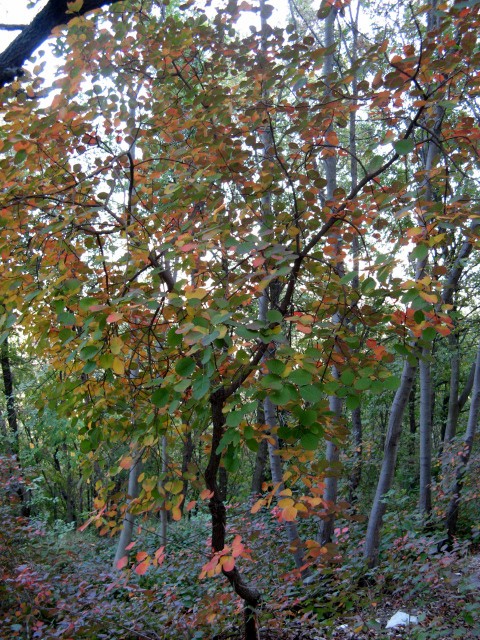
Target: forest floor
{"x": 62, "y": 587}
{"x": 441, "y": 613}
{"x": 57, "y": 583}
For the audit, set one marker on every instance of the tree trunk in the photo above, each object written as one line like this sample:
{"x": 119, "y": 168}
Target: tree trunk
{"x": 277, "y": 478}
{"x": 332, "y": 454}
{"x": 129, "y": 519}
{"x": 356, "y": 474}
{"x": 258, "y": 477}
{"x": 249, "y": 593}
{"x": 372, "y": 540}
{"x": 186, "y": 459}
{"x": 456, "y": 489}
{"x": 425, "y": 501}
{"x": 164, "y": 512}
{"x": 9, "y": 398}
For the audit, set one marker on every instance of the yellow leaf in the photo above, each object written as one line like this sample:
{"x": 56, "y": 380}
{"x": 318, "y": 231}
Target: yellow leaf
{"x": 75, "y": 6}
{"x": 116, "y": 345}
{"x": 286, "y": 502}
{"x": 228, "y": 563}
{"x": 197, "y": 293}
{"x": 118, "y": 366}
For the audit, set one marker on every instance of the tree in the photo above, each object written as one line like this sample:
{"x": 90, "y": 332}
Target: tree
{"x": 181, "y": 178}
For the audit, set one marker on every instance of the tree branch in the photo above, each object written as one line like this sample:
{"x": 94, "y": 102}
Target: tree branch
{"x": 13, "y": 27}
{"x": 34, "y": 34}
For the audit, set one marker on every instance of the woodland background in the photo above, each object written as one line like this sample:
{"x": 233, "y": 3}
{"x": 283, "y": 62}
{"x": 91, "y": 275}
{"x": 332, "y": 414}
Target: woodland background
{"x": 239, "y": 320}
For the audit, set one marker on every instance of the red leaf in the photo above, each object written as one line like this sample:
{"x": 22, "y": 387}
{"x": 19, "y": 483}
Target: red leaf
{"x": 114, "y": 317}
{"x": 122, "y": 563}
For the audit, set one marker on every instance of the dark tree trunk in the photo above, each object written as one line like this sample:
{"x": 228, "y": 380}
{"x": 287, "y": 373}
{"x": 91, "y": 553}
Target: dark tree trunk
{"x": 456, "y": 489}
{"x": 249, "y": 593}
{"x": 34, "y": 34}
{"x": 9, "y": 397}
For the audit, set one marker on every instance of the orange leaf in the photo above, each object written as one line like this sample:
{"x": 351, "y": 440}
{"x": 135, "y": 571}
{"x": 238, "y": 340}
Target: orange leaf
{"x": 141, "y": 556}
{"x": 257, "y": 506}
{"x": 206, "y": 494}
{"x": 332, "y": 138}
{"x": 130, "y": 546}
{"x": 126, "y": 462}
{"x": 122, "y": 563}
{"x": 141, "y": 568}
{"x": 176, "y": 514}
{"x": 191, "y": 505}
{"x": 289, "y": 514}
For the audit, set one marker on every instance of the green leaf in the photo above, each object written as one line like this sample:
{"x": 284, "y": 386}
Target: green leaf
{"x": 276, "y": 366}
{"x": 392, "y": 383}
{"x": 347, "y": 377}
{"x": 419, "y": 316}
{"x": 160, "y": 397}
{"x": 174, "y": 339}
{"x": 85, "y": 446}
{"x": 185, "y": 367}
{"x": 231, "y": 461}
{"x": 306, "y": 417}
{"x": 106, "y": 360}
{"x": 362, "y": 383}
{"x": 309, "y": 441}
{"x": 272, "y": 381}
{"x": 89, "y": 367}
{"x": 87, "y": 353}
{"x": 402, "y": 147}
{"x": 375, "y": 164}
{"x": 367, "y": 285}
{"x": 311, "y": 393}
{"x": 201, "y": 387}
{"x": 300, "y": 377}
{"x": 231, "y": 436}
{"x": 420, "y": 252}
{"x": 86, "y": 303}
{"x": 280, "y": 396}
{"x": 274, "y": 316}
{"x": 66, "y": 317}
{"x": 429, "y": 333}
{"x": 234, "y": 418}
{"x": 352, "y": 402}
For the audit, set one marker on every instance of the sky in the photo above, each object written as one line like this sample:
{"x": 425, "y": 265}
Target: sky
{"x": 18, "y": 13}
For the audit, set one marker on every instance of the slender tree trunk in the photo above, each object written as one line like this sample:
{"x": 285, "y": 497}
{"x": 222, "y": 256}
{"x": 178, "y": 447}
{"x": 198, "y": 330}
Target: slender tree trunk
{"x": 291, "y": 529}
{"x": 271, "y": 297}
{"x": 186, "y": 459}
{"x": 332, "y": 454}
{"x": 372, "y": 540}
{"x": 164, "y": 512}
{"x": 129, "y": 519}
{"x": 456, "y": 489}
{"x": 425, "y": 501}
{"x": 357, "y": 428}
{"x": 258, "y": 477}
{"x": 356, "y": 474}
